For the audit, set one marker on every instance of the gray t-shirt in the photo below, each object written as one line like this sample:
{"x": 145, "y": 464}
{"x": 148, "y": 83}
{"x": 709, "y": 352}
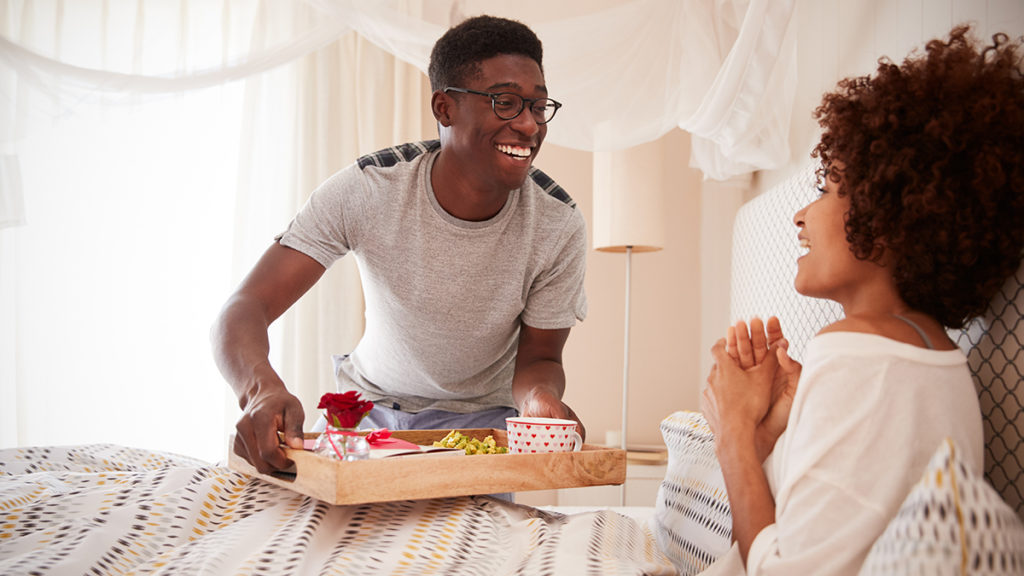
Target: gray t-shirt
{"x": 444, "y": 297}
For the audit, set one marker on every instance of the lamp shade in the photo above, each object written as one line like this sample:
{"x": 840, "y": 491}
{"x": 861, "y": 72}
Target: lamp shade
{"x": 629, "y": 199}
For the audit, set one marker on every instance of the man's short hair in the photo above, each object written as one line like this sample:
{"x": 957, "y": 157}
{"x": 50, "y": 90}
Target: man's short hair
{"x": 457, "y": 54}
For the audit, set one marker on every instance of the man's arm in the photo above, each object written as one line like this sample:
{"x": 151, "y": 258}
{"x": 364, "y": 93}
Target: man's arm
{"x": 539, "y": 380}
{"x": 241, "y": 350}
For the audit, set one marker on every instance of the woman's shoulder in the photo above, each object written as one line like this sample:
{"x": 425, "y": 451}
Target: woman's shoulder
{"x": 908, "y": 330}
{"x": 851, "y": 324}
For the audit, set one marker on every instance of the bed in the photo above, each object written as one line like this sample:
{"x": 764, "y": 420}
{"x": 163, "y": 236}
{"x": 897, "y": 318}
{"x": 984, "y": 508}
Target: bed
{"x": 104, "y": 509}
{"x": 101, "y": 509}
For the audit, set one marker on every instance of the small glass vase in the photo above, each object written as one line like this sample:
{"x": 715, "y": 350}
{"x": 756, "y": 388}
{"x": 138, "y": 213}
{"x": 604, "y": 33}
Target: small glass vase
{"x": 342, "y": 444}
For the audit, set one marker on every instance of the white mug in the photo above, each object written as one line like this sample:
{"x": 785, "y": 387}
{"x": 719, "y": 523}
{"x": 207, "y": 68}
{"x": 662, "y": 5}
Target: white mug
{"x": 539, "y": 435}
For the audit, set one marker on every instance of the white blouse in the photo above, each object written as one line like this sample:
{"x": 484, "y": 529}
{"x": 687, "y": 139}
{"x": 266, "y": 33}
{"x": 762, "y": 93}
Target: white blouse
{"x": 869, "y": 412}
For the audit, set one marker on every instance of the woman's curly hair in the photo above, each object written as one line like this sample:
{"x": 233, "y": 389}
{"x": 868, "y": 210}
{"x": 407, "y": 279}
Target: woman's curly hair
{"x": 456, "y": 56}
{"x": 934, "y": 168}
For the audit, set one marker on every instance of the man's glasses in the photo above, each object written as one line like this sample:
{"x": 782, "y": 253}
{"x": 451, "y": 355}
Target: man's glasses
{"x": 507, "y": 105}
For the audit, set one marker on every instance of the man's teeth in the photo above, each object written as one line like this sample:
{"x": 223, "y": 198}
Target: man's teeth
{"x": 805, "y": 243}
{"x": 517, "y": 151}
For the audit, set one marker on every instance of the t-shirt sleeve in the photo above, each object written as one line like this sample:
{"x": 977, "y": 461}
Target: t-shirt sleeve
{"x": 322, "y": 229}
{"x": 557, "y": 298}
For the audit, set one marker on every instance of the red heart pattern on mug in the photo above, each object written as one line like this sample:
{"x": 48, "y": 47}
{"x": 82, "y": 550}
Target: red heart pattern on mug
{"x": 534, "y": 437}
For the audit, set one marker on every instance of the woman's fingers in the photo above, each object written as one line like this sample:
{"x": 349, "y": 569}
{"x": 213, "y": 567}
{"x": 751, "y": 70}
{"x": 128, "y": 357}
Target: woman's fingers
{"x": 719, "y": 351}
{"x": 782, "y": 353}
{"x": 791, "y": 367}
{"x": 749, "y": 346}
{"x": 743, "y": 345}
{"x": 773, "y": 331}
{"x": 758, "y": 342}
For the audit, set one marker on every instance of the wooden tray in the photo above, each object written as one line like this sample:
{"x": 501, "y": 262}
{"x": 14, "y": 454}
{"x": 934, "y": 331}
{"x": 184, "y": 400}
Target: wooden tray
{"x": 425, "y": 476}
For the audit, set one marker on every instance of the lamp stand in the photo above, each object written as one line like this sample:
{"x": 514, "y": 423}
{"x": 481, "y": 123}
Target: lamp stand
{"x": 625, "y": 370}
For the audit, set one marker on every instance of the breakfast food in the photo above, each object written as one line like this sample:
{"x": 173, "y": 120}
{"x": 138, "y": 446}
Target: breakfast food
{"x": 456, "y": 439}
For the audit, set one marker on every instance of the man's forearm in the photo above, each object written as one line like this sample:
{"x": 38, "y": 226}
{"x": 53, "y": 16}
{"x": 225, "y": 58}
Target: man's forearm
{"x": 545, "y": 377}
{"x": 241, "y": 348}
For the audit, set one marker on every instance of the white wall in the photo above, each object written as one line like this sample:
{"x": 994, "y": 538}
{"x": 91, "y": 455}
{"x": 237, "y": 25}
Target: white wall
{"x": 665, "y": 308}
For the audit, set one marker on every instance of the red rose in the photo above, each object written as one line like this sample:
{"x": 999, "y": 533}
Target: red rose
{"x": 344, "y": 410}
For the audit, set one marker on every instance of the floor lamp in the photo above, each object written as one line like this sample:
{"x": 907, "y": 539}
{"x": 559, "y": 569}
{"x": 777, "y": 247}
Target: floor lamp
{"x": 628, "y": 217}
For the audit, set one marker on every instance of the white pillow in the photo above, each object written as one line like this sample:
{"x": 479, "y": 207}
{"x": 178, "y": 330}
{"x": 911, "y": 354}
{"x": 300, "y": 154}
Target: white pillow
{"x": 952, "y": 522}
{"x": 692, "y": 518}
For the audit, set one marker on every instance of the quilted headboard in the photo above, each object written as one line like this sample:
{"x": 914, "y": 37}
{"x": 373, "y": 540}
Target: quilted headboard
{"x": 765, "y": 250}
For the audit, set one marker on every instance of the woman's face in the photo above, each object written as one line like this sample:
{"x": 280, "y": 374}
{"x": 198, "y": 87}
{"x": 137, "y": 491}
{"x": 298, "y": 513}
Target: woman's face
{"x": 828, "y": 268}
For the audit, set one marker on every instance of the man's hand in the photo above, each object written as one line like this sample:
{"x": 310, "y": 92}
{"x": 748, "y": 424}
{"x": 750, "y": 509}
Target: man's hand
{"x": 542, "y": 403}
{"x": 267, "y": 410}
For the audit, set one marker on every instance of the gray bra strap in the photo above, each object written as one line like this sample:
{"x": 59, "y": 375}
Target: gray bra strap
{"x": 920, "y": 332}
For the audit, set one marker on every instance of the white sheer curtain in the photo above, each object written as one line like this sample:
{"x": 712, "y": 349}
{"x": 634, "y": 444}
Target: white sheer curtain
{"x": 144, "y": 208}
{"x": 110, "y": 285}
{"x": 630, "y": 71}
{"x": 150, "y": 149}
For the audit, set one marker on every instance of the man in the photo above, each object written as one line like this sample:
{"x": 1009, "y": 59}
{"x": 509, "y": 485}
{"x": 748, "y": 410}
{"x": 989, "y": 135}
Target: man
{"x": 472, "y": 262}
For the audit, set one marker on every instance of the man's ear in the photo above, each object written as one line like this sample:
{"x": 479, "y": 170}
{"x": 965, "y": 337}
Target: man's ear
{"x": 440, "y": 105}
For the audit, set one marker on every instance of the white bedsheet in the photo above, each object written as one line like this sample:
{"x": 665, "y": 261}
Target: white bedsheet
{"x": 112, "y": 509}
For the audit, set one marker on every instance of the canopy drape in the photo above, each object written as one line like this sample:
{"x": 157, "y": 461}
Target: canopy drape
{"x": 627, "y": 72}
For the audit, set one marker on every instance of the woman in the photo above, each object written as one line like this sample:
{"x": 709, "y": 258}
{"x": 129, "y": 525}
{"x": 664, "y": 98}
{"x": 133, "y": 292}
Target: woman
{"x": 918, "y": 224}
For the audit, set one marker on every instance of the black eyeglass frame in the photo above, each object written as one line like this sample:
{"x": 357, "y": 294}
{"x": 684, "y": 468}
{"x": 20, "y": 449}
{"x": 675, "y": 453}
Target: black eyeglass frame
{"x": 523, "y": 102}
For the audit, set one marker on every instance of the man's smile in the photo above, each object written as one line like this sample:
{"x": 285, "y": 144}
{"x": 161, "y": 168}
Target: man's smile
{"x": 514, "y": 151}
